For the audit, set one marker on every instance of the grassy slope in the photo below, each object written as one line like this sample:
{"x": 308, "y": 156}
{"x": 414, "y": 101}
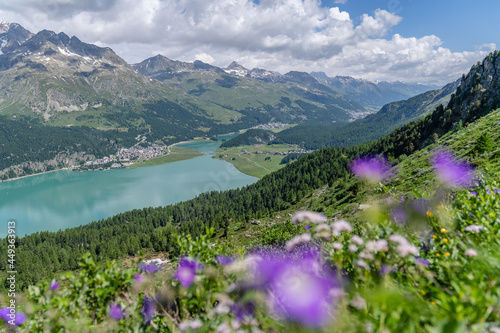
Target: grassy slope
{"x": 254, "y": 164}
{"x": 413, "y": 173}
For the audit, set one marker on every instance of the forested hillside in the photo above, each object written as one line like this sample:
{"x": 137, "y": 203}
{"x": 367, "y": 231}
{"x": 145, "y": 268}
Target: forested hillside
{"x": 250, "y": 137}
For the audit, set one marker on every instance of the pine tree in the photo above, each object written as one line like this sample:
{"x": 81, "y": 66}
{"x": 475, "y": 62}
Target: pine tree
{"x": 483, "y": 144}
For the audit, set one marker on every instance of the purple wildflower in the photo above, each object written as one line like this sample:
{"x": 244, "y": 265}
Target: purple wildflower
{"x": 422, "y": 262}
{"x": 452, "y": 172}
{"x": 399, "y": 215}
{"x": 242, "y": 310}
{"x": 307, "y": 227}
{"x": 384, "y": 270}
{"x": 420, "y": 206}
{"x": 116, "y": 312}
{"x": 473, "y": 192}
{"x": 148, "y": 309}
{"x": 5, "y": 314}
{"x": 54, "y": 285}
{"x": 149, "y": 268}
{"x": 402, "y": 198}
{"x": 139, "y": 278}
{"x": 373, "y": 169}
{"x": 187, "y": 271}
{"x": 298, "y": 289}
{"x": 488, "y": 192}
{"x": 497, "y": 191}
{"x": 224, "y": 260}
{"x": 20, "y": 319}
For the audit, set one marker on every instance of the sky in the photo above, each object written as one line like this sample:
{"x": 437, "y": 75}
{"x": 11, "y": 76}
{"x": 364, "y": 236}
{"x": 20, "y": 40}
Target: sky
{"x": 425, "y": 41}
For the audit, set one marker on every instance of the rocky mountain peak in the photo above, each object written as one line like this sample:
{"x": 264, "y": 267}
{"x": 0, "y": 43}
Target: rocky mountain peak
{"x": 18, "y": 45}
{"x": 236, "y": 69}
{"x": 479, "y": 90}
{"x": 11, "y": 36}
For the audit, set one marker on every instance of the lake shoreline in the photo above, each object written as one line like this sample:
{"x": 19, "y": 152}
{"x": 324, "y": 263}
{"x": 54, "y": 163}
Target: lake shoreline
{"x": 142, "y": 166}
{"x": 69, "y": 199}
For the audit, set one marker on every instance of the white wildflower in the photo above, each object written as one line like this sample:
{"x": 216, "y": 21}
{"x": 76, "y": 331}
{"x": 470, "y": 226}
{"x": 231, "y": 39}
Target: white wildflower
{"x": 362, "y": 264}
{"x": 398, "y": 239}
{"x": 377, "y": 246}
{"x": 322, "y": 227}
{"x": 474, "y": 228}
{"x": 357, "y": 240}
{"x": 339, "y": 226}
{"x": 235, "y": 325}
{"x": 190, "y": 324}
{"x": 471, "y": 253}
{"x": 404, "y": 246}
{"x": 297, "y": 240}
{"x": 223, "y": 328}
{"x": 366, "y": 255}
{"x": 353, "y": 248}
{"x": 406, "y": 249}
{"x": 358, "y": 302}
{"x": 308, "y": 216}
{"x": 337, "y": 245}
{"x": 324, "y": 234}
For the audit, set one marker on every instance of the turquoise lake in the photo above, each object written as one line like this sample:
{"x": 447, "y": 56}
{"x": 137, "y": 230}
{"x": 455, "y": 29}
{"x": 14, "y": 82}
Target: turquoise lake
{"x": 65, "y": 199}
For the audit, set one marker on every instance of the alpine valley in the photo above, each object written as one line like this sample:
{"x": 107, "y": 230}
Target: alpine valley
{"x": 64, "y": 102}
{"x": 389, "y": 222}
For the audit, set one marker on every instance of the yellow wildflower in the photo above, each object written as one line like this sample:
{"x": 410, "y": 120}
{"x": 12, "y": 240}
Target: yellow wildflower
{"x": 443, "y": 230}
{"x": 434, "y": 236}
{"x": 445, "y": 240}
{"x": 429, "y": 213}
{"x": 433, "y": 303}
{"x": 446, "y": 254}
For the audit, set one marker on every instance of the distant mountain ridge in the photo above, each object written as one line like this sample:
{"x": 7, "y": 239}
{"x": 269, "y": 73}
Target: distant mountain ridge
{"x": 370, "y": 93}
{"x": 372, "y": 127}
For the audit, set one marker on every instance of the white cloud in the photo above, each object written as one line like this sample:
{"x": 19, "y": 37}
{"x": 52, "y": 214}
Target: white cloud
{"x": 279, "y": 35}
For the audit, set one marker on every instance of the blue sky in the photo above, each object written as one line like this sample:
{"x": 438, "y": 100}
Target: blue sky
{"x": 422, "y": 41}
{"x": 461, "y": 24}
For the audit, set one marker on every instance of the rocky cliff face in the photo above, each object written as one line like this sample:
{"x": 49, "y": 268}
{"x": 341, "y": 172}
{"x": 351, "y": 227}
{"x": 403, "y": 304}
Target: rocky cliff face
{"x": 479, "y": 90}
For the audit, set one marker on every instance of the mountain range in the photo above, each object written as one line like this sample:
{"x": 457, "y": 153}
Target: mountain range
{"x": 49, "y": 80}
